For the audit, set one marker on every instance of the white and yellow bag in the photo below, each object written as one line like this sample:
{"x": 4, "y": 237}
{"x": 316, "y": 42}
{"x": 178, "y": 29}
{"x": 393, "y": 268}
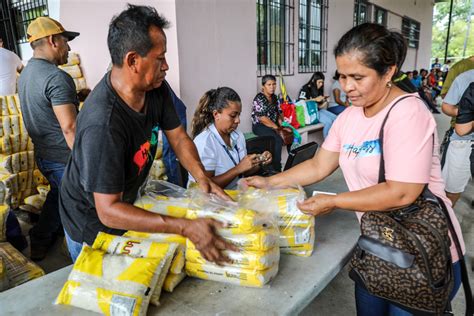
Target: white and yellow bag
{"x": 174, "y": 207}
{"x": 232, "y": 275}
{"x": 19, "y": 268}
{"x": 111, "y": 284}
{"x": 262, "y": 240}
{"x": 250, "y": 260}
{"x": 297, "y": 241}
{"x": 4, "y": 210}
{"x": 139, "y": 248}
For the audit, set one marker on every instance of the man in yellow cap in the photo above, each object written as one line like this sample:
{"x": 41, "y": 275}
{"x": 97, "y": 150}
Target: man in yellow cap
{"x": 49, "y": 105}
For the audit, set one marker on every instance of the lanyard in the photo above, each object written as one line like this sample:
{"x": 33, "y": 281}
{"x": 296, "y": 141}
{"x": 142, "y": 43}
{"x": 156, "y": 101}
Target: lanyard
{"x": 229, "y": 154}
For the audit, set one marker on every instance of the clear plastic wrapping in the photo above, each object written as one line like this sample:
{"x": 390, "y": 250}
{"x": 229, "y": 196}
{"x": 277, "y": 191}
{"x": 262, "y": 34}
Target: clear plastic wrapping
{"x": 19, "y": 268}
{"x": 139, "y": 248}
{"x": 111, "y": 284}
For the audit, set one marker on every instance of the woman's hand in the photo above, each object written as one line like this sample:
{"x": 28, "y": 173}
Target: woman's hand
{"x": 256, "y": 181}
{"x": 319, "y": 99}
{"x": 247, "y": 163}
{"x": 318, "y": 205}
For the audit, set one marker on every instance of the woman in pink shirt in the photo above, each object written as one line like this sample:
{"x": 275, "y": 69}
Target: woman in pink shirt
{"x": 367, "y": 58}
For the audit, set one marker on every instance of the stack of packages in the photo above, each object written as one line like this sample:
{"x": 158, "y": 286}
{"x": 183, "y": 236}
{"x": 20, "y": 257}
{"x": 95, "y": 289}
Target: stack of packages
{"x": 158, "y": 170}
{"x": 18, "y": 174}
{"x": 118, "y": 275}
{"x": 15, "y": 268}
{"x": 296, "y": 228}
{"x": 251, "y": 226}
{"x": 73, "y": 68}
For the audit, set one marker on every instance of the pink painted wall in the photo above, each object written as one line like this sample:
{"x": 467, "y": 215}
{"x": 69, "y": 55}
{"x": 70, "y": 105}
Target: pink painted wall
{"x": 91, "y": 18}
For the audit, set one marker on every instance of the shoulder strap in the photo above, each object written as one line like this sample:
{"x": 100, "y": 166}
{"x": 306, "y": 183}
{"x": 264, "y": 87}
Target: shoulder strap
{"x": 382, "y": 162}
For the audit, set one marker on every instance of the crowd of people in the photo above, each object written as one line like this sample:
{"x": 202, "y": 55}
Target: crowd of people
{"x": 97, "y": 159}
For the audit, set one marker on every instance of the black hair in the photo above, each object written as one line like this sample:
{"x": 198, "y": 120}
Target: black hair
{"x": 268, "y": 78}
{"x": 380, "y": 48}
{"x": 313, "y": 86}
{"x": 129, "y": 31}
{"x": 212, "y": 100}
{"x": 415, "y": 73}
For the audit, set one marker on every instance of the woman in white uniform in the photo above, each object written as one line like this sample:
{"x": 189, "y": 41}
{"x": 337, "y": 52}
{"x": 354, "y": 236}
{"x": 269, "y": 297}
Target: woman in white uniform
{"x": 220, "y": 144}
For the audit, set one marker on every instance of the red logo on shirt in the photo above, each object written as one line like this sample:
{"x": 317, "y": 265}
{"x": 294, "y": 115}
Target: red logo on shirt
{"x": 141, "y": 156}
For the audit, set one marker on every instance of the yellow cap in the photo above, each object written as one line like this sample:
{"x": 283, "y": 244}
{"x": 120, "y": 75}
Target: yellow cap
{"x": 45, "y": 26}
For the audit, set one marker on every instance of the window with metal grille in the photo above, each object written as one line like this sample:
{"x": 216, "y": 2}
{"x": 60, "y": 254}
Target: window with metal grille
{"x": 25, "y": 12}
{"x": 312, "y": 38}
{"x": 275, "y": 40}
{"x": 361, "y": 12}
{"x": 380, "y": 16}
{"x": 411, "y": 31}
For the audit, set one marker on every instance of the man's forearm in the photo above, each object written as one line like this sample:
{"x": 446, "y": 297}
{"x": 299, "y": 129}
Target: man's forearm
{"x": 69, "y": 137}
{"x": 449, "y": 109}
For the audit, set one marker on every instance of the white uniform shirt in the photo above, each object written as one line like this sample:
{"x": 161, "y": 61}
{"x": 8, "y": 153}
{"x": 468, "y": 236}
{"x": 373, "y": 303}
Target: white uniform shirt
{"x": 342, "y": 95}
{"x": 216, "y": 156}
{"x": 9, "y": 63}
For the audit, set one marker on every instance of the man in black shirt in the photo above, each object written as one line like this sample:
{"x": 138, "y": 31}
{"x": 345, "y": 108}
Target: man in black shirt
{"x": 116, "y": 140}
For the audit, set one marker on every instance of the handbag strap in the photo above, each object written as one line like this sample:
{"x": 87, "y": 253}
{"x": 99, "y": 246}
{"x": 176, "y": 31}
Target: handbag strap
{"x": 462, "y": 262}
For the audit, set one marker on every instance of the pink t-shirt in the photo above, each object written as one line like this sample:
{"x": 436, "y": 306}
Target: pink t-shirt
{"x": 408, "y": 151}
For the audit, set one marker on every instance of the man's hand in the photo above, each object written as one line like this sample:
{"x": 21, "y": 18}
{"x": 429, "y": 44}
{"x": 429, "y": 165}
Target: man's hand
{"x": 208, "y": 186}
{"x": 318, "y": 205}
{"x": 202, "y": 233}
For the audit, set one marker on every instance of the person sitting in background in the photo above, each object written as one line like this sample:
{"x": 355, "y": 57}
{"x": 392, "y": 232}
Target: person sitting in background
{"x": 416, "y": 79}
{"x": 313, "y": 90}
{"x": 267, "y": 116}
{"x": 436, "y": 64}
{"x": 220, "y": 144}
{"x": 445, "y": 68}
{"x": 337, "y": 100}
{"x": 10, "y": 65}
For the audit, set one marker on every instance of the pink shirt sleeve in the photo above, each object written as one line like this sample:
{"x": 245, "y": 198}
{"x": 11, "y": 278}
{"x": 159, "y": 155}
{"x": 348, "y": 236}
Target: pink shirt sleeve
{"x": 408, "y": 142}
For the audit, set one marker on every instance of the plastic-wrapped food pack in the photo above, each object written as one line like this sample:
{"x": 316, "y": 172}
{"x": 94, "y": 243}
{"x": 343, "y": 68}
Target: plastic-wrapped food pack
{"x": 250, "y": 260}
{"x": 139, "y": 248}
{"x": 177, "y": 264}
{"x": 19, "y": 268}
{"x": 230, "y": 274}
{"x": 3, "y": 276}
{"x": 4, "y": 210}
{"x": 297, "y": 241}
{"x": 111, "y": 284}
{"x": 174, "y": 207}
{"x": 172, "y": 280}
{"x": 262, "y": 240}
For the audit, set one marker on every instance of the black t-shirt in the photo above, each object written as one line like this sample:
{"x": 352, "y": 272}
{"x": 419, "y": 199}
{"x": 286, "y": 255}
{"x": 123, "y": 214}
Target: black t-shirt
{"x": 466, "y": 106}
{"x": 113, "y": 152}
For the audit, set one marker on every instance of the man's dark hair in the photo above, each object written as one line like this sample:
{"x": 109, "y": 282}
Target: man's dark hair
{"x": 129, "y": 31}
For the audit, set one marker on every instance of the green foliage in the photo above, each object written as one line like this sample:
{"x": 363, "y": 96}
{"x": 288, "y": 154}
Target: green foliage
{"x": 461, "y": 10}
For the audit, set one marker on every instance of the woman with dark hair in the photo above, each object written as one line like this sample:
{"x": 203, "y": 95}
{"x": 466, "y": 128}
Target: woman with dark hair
{"x": 368, "y": 58}
{"x": 267, "y": 116}
{"x": 220, "y": 144}
{"x": 313, "y": 90}
{"x": 337, "y": 100}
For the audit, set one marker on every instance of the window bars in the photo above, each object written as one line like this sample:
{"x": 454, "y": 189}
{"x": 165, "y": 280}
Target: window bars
{"x": 25, "y": 12}
{"x": 312, "y": 38}
{"x": 361, "y": 12}
{"x": 275, "y": 39}
{"x": 411, "y": 31}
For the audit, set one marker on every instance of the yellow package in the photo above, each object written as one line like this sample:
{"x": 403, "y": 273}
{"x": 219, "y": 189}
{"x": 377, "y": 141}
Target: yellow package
{"x": 11, "y": 183}
{"x": 297, "y": 241}
{"x": 6, "y": 125}
{"x": 232, "y": 275}
{"x": 139, "y": 248}
{"x": 296, "y": 221}
{"x": 4, "y": 210}
{"x": 73, "y": 59}
{"x": 12, "y": 109}
{"x": 175, "y": 207}
{"x": 15, "y": 163}
{"x": 3, "y": 276}
{"x": 31, "y": 160}
{"x": 15, "y": 124}
{"x": 240, "y": 221}
{"x": 15, "y": 141}
{"x": 172, "y": 280}
{"x": 22, "y": 180}
{"x": 38, "y": 178}
{"x": 177, "y": 264}
{"x": 23, "y": 160}
{"x": 6, "y": 145}
{"x": 80, "y": 83}
{"x": 29, "y": 181}
{"x": 111, "y": 284}
{"x": 23, "y": 141}
{"x": 234, "y": 194}
{"x": 43, "y": 189}
{"x": 36, "y": 201}
{"x": 30, "y": 146}
{"x": 250, "y": 260}
{"x": 262, "y": 240}
{"x": 19, "y": 268}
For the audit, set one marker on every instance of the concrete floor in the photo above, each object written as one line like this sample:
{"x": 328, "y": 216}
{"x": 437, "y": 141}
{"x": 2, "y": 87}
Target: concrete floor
{"x": 338, "y": 297}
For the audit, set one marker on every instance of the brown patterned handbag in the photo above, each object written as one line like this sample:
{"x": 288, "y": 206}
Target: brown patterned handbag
{"x": 403, "y": 255}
